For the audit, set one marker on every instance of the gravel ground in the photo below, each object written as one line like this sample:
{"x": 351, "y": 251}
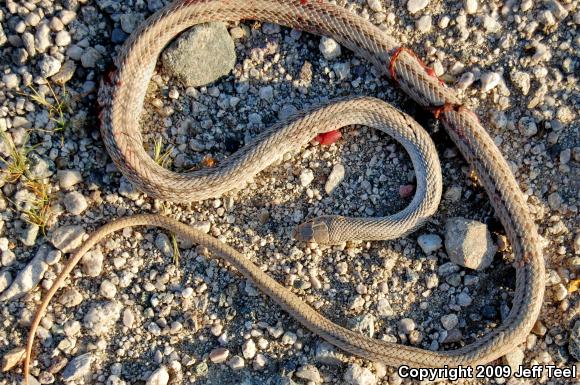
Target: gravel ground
{"x": 159, "y": 311}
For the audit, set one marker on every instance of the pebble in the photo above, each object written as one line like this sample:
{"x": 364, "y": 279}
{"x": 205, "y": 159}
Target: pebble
{"x": 12, "y": 358}
{"x": 108, "y": 289}
{"x": 464, "y": 300}
{"x": 335, "y": 178}
{"x": 267, "y": 93}
{"x": 406, "y": 191}
{"x": 68, "y": 178}
{"x": 527, "y": 126}
{"x": 554, "y": 200}
{"x": 329, "y": 48}
{"x": 78, "y": 367}
{"x": 163, "y": 243}
{"x": 489, "y": 81}
{"x": 514, "y": 359}
{"x": 470, "y": 6}
{"x": 11, "y": 81}
{"x": 449, "y": 321}
{"x": 430, "y": 243}
{"x": 326, "y": 354}
{"x": 5, "y": 280}
{"x": 289, "y": 338}
{"x": 309, "y": 373}
{"x": 384, "y": 308}
{"x": 375, "y": 5}
{"x": 424, "y": 23}
{"x": 48, "y": 66}
{"x": 465, "y": 245}
{"x": 67, "y": 238}
{"x": 357, "y": 375}
{"x": 90, "y": 57}
{"x": 306, "y": 177}
{"x": 406, "y": 325}
{"x": 92, "y": 263}
{"x": 236, "y": 363}
{"x": 158, "y": 377}
{"x": 101, "y": 317}
{"x": 260, "y": 362}
{"x": 70, "y": 297}
{"x": 219, "y": 355}
{"x": 75, "y": 203}
{"x": 414, "y": 6}
{"x": 201, "y": 55}
{"x": 28, "y": 277}
{"x": 249, "y": 349}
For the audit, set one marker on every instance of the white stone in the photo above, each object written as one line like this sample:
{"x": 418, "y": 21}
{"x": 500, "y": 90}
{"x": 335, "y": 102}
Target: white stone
{"x": 306, "y": 177}
{"x": 78, "y": 367}
{"x": 375, "y": 5}
{"x": 67, "y": 238}
{"x": 28, "y": 277}
{"x": 309, "y": 373}
{"x": 108, "y": 289}
{"x": 101, "y": 317}
{"x": 424, "y": 23}
{"x": 415, "y": 6}
{"x": 249, "y": 349}
{"x": 335, "y": 178}
{"x": 470, "y": 6}
{"x": 329, "y": 48}
{"x": 68, "y": 178}
{"x": 489, "y": 81}
{"x": 468, "y": 243}
{"x": 75, "y": 203}
{"x": 48, "y": 66}
{"x": 158, "y": 377}
{"x": 514, "y": 359}
{"x": 357, "y": 375}
{"x": 430, "y": 243}
{"x": 236, "y": 363}
{"x": 219, "y": 355}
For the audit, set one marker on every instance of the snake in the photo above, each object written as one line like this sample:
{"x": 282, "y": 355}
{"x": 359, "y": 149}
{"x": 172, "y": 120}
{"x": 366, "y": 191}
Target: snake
{"x": 121, "y": 97}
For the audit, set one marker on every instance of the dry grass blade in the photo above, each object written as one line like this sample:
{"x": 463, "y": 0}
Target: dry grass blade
{"x": 16, "y": 164}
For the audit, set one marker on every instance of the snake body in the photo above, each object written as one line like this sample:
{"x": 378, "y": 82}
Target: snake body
{"x": 122, "y": 99}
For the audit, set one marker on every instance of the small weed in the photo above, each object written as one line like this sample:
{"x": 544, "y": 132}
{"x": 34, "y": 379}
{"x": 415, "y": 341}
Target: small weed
{"x": 56, "y": 110}
{"x": 159, "y": 156}
{"x": 176, "y": 253}
{"x": 16, "y": 164}
{"x": 40, "y": 210}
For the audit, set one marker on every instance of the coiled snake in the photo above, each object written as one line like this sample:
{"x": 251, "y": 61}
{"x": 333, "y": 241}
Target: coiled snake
{"x": 122, "y": 99}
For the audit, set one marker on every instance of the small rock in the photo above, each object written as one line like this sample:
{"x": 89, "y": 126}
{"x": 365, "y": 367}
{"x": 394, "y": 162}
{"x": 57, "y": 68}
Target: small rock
{"x": 384, "y": 308}
{"x": 101, "y": 317}
{"x": 554, "y": 200}
{"x": 468, "y": 243}
{"x": 453, "y": 336}
{"x": 67, "y": 238}
{"x": 66, "y": 72}
{"x": 78, "y": 367}
{"x": 5, "y": 280}
{"x": 68, "y": 178}
{"x": 28, "y": 277}
{"x": 249, "y": 349}
{"x": 449, "y": 321}
{"x": 12, "y": 358}
{"x": 219, "y": 355}
{"x": 289, "y": 338}
{"x": 375, "y": 5}
{"x": 75, "y": 203}
{"x": 406, "y": 191}
{"x": 514, "y": 359}
{"x": 406, "y": 325}
{"x": 48, "y": 66}
{"x": 464, "y": 300}
{"x": 92, "y": 263}
{"x": 90, "y": 57}
{"x": 326, "y": 354}
{"x": 527, "y": 126}
{"x": 357, "y": 375}
{"x": 108, "y": 289}
{"x": 335, "y": 178}
{"x": 267, "y": 93}
{"x": 424, "y": 23}
{"x": 489, "y": 81}
{"x": 329, "y": 48}
{"x": 164, "y": 244}
{"x": 414, "y": 6}
{"x": 236, "y": 363}
{"x": 309, "y": 373}
{"x": 430, "y": 243}
{"x": 70, "y": 297}
{"x": 306, "y": 177}
{"x": 158, "y": 377}
{"x": 201, "y": 55}
{"x": 470, "y": 6}
{"x": 260, "y": 362}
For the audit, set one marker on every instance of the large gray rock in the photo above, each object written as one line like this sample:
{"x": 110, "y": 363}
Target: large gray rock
{"x": 28, "y": 277}
{"x": 78, "y": 367}
{"x": 201, "y": 55}
{"x": 468, "y": 243}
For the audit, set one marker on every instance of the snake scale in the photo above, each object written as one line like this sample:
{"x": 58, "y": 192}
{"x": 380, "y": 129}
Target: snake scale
{"x": 122, "y": 96}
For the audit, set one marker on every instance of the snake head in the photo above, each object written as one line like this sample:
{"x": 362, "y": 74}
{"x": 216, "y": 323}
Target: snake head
{"x": 314, "y": 230}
